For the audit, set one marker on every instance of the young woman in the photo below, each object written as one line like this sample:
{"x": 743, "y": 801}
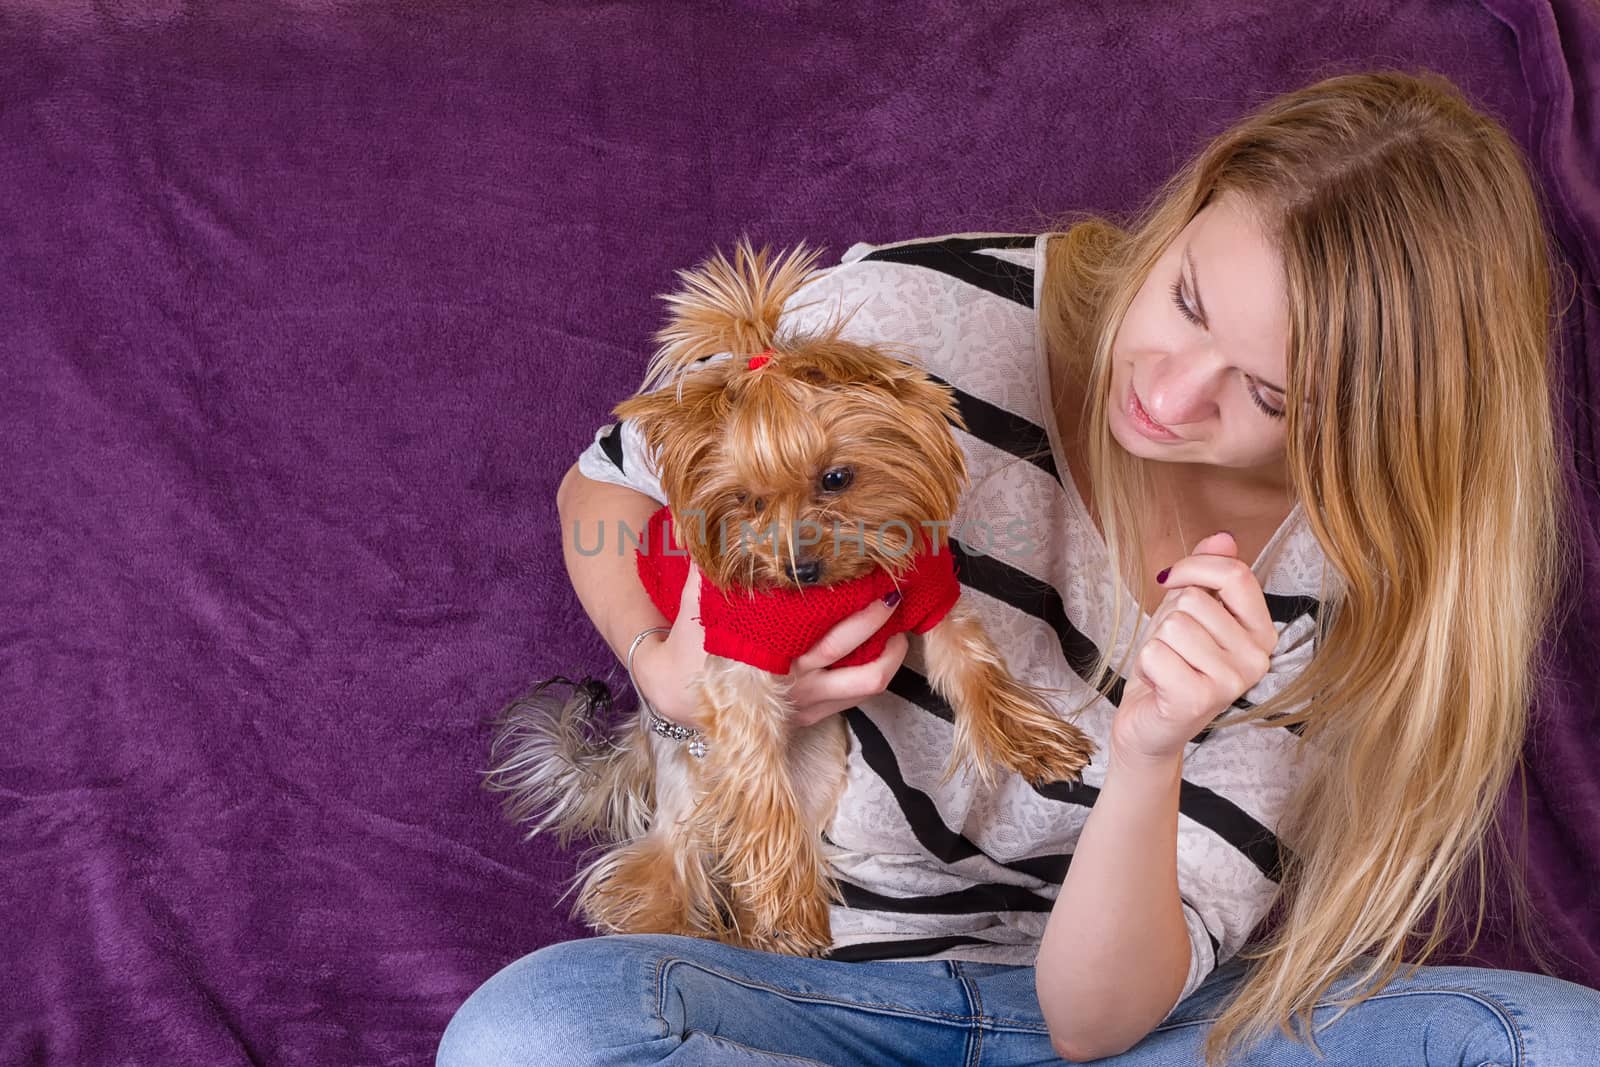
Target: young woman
{"x": 1281, "y": 450}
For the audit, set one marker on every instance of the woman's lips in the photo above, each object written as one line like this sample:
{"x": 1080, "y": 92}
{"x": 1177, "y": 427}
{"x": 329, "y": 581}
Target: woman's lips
{"x": 1143, "y": 422}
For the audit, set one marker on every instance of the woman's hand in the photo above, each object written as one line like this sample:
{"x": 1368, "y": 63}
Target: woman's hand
{"x": 665, "y": 668}
{"x": 818, "y": 692}
{"x": 1210, "y": 641}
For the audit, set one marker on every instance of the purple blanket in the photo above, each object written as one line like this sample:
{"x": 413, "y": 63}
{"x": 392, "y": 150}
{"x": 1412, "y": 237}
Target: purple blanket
{"x": 307, "y": 306}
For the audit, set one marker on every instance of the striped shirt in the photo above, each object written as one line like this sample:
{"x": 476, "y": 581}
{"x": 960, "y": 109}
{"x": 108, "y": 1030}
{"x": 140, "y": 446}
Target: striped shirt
{"x": 933, "y": 870}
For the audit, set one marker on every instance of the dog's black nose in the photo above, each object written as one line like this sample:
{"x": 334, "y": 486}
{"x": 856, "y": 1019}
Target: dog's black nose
{"x": 809, "y": 573}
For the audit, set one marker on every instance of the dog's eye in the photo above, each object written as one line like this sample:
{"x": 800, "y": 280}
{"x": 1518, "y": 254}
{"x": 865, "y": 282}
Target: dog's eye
{"x": 837, "y": 480}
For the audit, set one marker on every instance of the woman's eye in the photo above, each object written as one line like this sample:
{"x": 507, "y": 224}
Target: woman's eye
{"x": 1260, "y": 402}
{"x": 1183, "y": 306}
{"x": 1250, "y": 386}
{"x": 837, "y": 480}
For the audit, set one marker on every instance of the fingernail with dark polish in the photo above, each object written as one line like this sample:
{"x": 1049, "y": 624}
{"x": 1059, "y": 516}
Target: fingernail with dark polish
{"x": 893, "y": 598}
{"x": 1161, "y": 579}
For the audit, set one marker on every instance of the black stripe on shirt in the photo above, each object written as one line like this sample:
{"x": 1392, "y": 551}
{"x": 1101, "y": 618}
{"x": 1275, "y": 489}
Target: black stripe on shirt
{"x": 896, "y": 950}
{"x": 968, "y": 244}
{"x": 1002, "y": 429}
{"x": 980, "y": 899}
{"x": 868, "y": 951}
{"x": 1198, "y": 803}
{"x": 1019, "y": 589}
{"x": 1234, "y": 825}
{"x": 1201, "y": 805}
{"x": 1216, "y": 946}
{"x": 1288, "y": 608}
{"x": 1010, "y": 585}
{"x": 918, "y": 809}
{"x": 611, "y": 445}
{"x": 912, "y": 687}
{"x": 921, "y": 814}
{"x": 960, "y": 259}
{"x": 976, "y": 900}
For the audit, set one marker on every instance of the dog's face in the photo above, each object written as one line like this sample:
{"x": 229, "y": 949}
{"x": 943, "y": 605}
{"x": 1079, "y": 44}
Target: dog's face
{"x": 825, "y": 462}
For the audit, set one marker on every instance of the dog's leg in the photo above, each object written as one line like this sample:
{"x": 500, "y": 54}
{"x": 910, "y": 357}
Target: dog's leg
{"x": 817, "y": 758}
{"x": 757, "y": 820}
{"x": 662, "y": 881}
{"x": 653, "y": 885}
{"x": 998, "y": 720}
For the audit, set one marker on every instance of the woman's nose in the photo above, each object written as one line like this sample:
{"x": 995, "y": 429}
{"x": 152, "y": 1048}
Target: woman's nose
{"x": 1184, "y": 389}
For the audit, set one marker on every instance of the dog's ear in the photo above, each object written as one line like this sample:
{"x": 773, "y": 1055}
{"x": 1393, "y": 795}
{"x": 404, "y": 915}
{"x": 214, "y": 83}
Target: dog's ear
{"x": 931, "y": 411}
{"x": 680, "y": 425}
{"x": 917, "y": 391}
{"x": 911, "y": 386}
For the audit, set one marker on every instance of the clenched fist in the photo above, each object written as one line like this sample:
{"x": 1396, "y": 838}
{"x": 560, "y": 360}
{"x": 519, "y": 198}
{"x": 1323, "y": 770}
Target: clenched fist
{"x": 1210, "y": 640}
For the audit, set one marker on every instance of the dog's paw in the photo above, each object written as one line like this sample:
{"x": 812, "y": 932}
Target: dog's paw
{"x": 1011, "y": 728}
{"x": 793, "y": 919}
{"x": 1055, "y": 751}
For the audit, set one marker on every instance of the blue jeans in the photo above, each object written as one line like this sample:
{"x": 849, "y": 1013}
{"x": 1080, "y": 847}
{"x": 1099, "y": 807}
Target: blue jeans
{"x": 648, "y": 999}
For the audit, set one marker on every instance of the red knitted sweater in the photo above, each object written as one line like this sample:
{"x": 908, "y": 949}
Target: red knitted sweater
{"x": 770, "y": 628}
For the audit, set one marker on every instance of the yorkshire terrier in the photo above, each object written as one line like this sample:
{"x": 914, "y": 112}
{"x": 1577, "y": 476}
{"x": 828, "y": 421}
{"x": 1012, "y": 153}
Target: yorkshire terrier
{"x": 795, "y": 431}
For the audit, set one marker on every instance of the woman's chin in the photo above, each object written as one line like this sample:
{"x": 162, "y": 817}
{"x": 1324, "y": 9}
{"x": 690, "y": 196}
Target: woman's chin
{"x": 1133, "y": 442}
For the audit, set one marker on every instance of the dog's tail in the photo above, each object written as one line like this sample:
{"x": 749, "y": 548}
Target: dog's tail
{"x": 563, "y": 767}
{"x": 728, "y": 307}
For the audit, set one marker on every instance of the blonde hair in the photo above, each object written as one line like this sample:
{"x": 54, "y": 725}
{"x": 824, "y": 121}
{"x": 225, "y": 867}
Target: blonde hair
{"x": 1421, "y": 442}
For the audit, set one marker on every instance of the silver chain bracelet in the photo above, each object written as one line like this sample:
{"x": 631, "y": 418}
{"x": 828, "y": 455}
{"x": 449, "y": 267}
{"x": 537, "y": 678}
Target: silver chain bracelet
{"x": 658, "y": 723}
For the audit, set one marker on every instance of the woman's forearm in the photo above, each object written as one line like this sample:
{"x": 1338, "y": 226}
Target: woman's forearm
{"x": 1115, "y": 953}
{"x": 599, "y": 562}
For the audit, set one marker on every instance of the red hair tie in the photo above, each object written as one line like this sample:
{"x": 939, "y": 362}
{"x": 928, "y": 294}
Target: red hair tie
{"x": 760, "y": 360}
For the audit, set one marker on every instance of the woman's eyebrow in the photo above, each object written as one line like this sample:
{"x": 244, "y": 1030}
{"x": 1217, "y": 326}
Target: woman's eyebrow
{"x": 1200, "y": 307}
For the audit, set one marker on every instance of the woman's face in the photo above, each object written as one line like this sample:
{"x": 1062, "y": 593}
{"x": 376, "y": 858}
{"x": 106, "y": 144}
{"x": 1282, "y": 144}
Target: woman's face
{"x": 1198, "y": 365}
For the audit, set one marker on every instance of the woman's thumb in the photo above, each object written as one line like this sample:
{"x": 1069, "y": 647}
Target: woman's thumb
{"x": 689, "y": 603}
{"x": 1218, "y": 544}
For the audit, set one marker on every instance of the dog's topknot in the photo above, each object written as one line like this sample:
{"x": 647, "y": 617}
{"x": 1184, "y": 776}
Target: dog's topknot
{"x": 728, "y": 307}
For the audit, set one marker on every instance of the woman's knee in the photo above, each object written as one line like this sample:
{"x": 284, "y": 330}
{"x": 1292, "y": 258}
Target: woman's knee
{"x": 563, "y": 1004}
{"x": 1464, "y": 1027}
{"x": 1559, "y": 1021}
{"x": 1511, "y": 1018}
